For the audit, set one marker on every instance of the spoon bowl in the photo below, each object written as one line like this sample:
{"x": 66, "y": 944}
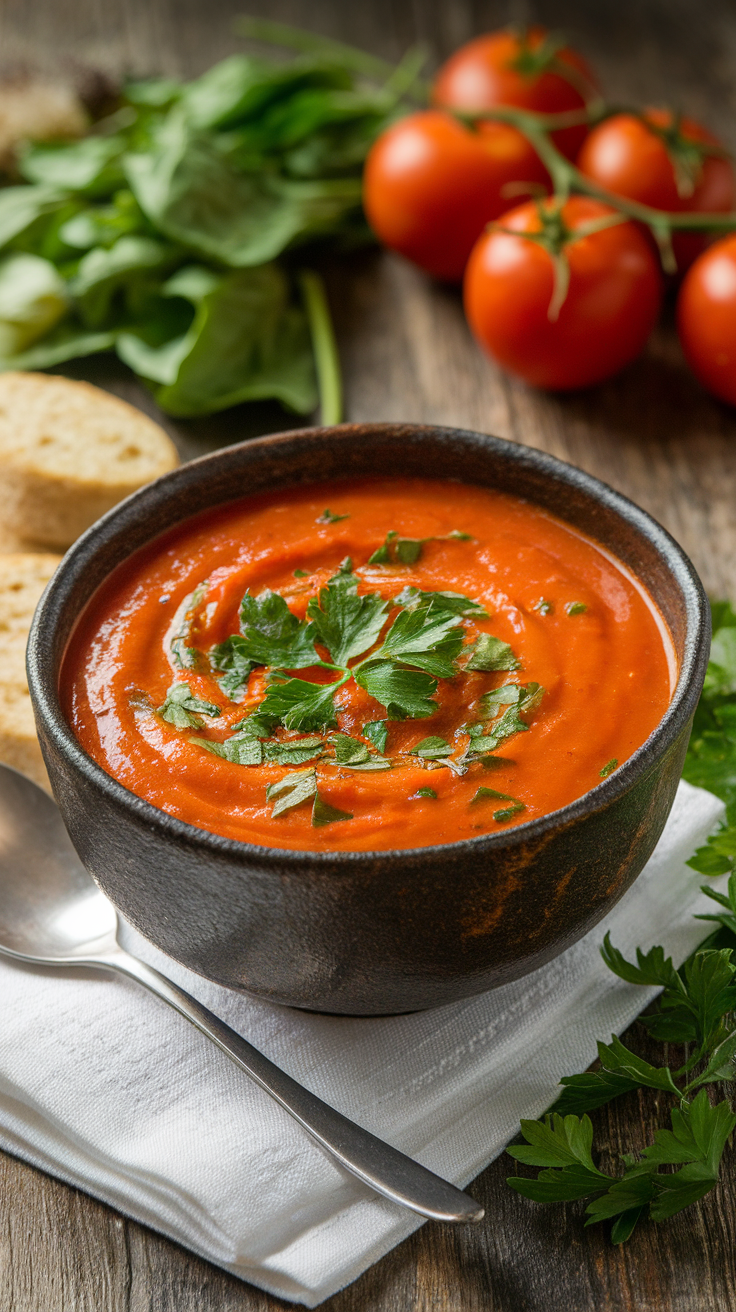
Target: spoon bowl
{"x": 53, "y": 914}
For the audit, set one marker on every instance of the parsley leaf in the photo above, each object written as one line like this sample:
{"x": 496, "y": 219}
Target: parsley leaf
{"x": 347, "y": 624}
{"x": 404, "y": 694}
{"x": 576, "y": 608}
{"x": 453, "y": 602}
{"x": 327, "y": 517}
{"x": 396, "y": 550}
{"x": 325, "y": 814}
{"x": 183, "y": 710}
{"x": 292, "y": 790}
{"x": 230, "y": 657}
{"x": 423, "y": 792}
{"x": 183, "y": 654}
{"x": 241, "y": 749}
{"x": 428, "y": 638}
{"x": 489, "y": 653}
{"x": 432, "y": 748}
{"x": 377, "y": 733}
{"x": 349, "y": 751}
{"x": 543, "y": 607}
{"x": 272, "y": 634}
{"x": 299, "y": 704}
{"x": 295, "y": 752}
{"x": 608, "y": 768}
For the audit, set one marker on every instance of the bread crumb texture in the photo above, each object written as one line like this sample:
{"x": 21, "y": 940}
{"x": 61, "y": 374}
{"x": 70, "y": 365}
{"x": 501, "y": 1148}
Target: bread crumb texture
{"x": 23, "y": 577}
{"x": 68, "y": 453}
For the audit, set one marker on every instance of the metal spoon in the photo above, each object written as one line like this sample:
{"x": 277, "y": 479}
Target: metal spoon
{"x": 53, "y": 914}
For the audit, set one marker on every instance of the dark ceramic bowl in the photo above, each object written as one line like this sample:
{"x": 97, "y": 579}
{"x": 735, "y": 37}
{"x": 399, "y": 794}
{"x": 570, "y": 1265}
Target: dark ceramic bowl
{"x": 359, "y": 932}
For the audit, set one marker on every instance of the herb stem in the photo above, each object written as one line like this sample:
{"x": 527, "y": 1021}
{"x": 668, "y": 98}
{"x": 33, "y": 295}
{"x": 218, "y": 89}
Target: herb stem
{"x": 326, "y": 357}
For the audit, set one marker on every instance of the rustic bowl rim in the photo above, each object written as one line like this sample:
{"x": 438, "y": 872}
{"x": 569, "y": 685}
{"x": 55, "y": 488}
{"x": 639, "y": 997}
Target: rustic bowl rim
{"x": 51, "y": 608}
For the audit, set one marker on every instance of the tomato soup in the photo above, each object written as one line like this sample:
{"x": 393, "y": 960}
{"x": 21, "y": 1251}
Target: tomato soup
{"x": 367, "y": 665}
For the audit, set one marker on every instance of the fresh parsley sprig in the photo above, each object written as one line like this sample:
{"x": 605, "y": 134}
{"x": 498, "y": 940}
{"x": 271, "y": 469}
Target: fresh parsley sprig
{"x": 696, "y": 1007}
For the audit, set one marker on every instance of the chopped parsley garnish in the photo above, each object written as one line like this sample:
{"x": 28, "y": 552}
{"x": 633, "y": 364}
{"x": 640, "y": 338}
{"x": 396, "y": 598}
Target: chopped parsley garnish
{"x": 183, "y": 710}
{"x": 576, "y": 608}
{"x": 543, "y": 607}
{"x": 506, "y": 812}
{"x": 609, "y": 767}
{"x": 301, "y": 573}
{"x": 396, "y": 649}
{"x": 489, "y": 653}
{"x": 183, "y": 654}
{"x": 377, "y": 733}
{"x": 432, "y": 748}
{"x": 328, "y": 517}
{"x": 423, "y": 792}
{"x": 396, "y": 550}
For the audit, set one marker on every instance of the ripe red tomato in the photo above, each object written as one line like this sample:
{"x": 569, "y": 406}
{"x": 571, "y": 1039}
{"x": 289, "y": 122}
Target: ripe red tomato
{"x": 630, "y": 156}
{"x": 529, "y": 70}
{"x": 706, "y": 318}
{"x": 430, "y": 186}
{"x": 612, "y": 300}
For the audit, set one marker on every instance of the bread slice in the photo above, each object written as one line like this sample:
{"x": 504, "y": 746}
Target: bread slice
{"x": 68, "y": 452}
{"x": 23, "y": 577}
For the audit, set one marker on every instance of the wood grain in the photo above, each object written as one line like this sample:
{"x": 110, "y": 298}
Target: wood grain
{"x": 652, "y": 433}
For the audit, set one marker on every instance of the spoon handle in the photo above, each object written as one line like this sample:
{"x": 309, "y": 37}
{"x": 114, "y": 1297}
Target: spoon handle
{"x": 376, "y": 1163}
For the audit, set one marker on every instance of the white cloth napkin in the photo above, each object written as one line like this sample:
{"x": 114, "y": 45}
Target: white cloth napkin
{"x": 107, "y": 1088}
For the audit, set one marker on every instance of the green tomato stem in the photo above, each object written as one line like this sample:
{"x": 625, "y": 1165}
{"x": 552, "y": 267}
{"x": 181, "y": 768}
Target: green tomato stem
{"x": 326, "y": 357}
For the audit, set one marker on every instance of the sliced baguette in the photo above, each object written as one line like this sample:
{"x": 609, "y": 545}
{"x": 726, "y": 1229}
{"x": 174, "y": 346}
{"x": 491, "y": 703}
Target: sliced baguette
{"x": 23, "y": 577}
{"x": 68, "y": 452}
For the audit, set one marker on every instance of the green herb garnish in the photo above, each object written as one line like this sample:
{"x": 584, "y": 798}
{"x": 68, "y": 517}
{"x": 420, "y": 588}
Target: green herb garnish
{"x": 230, "y": 657}
{"x": 325, "y": 814}
{"x": 543, "y": 607}
{"x": 328, "y": 517}
{"x": 432, "y": 748}
{"x": 608, "y": 768}
{"x": 697, "y": 1007}
{"x": 183, "y": 710}
{"x": 453, "y": 602}
{"x": 423, "y": 792}
{"x": 576, "y": 608}
{"x": 489, "y": 653}
{"x": 377, "y": 733}
{"x": 396, "y": 550}
{"x": 301, "y": 573}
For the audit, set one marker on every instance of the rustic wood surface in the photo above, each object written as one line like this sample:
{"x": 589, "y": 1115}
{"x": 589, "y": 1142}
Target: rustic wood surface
{"x": 653, "y": 433}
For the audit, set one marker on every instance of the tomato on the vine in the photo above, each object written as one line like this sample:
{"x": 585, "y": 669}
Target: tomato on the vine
{"x": 431, "y": 185}
{"x": 706, "y": 318}
{"x": 530, "y": 70}
{"x": 664, "y": 162}
{"x": 516, "y": 276}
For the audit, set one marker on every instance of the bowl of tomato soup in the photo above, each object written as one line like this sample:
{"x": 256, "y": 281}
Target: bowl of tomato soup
{"x": 371, "y": 718}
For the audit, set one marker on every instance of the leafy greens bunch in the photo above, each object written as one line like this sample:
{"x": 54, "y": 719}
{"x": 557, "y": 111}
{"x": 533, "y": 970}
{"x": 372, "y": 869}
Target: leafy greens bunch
{"x": 696, "y": 1008}
{"x": 170, "y": 234}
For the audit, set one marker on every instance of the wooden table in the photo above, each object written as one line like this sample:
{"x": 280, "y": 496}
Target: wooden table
{"x": 407, "y": 354}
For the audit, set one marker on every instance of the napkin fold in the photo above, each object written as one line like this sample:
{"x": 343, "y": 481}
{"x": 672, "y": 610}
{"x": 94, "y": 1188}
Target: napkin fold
{"x": 111, "y": 1091}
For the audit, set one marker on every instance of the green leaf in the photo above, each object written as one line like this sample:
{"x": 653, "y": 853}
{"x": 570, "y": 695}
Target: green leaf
{"x": 423, "y": 792}
{"x": 349, "y": 751}
{"x": 428, "y": 638}
{"x": 247, "y": 342}
{"x": 510, "y": 694}
{"x": 576, "y": 608}
{"x": 557, "y": 1141}
{"x": 22, "y": 207}
{"x": 295, "y": 788}
{"x": 404, "y": 694}
{"x": 183, "y": 710}
{"x": 231, "y": 658}
{"x": 709, "y": 985}
{"x": 651, "y": 967}
{"x": 377, "y": 733}
{"x": 324, "y": 814}
{"x": 489, "y": 653}
{"x": 241, "y": 749}
{"x": 432, "y": 748}
{"x": 632, "y": 1193}
{"x": 68, "y": 341}
{"x": 608, "y": 768}
{"x": 543, "y": 607}
{"x": 33, "y": 298}
{"x": 299, "y": 704}
{"x": 624, "y": 1225}
{"x": 272, "y": 635}
{"x": 483, "y": 793}
{"x": 190, "y": 190}
{"x": 347, "y": 624}
{"x": 616, "y": 1058}
{"x": 720, "y": 679}
{"x": 327, "y": 517}
{"x": 507, "y": 812}
{"x": 583, "y": 1093}
{"x": 105, "y": 273}
{"x": 91, "y": 165}
{"x": 455, "y": 603}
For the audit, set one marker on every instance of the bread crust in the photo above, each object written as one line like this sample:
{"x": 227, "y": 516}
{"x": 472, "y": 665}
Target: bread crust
{"x": 23, "y": 577}
{"x": 69, "y": 452}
